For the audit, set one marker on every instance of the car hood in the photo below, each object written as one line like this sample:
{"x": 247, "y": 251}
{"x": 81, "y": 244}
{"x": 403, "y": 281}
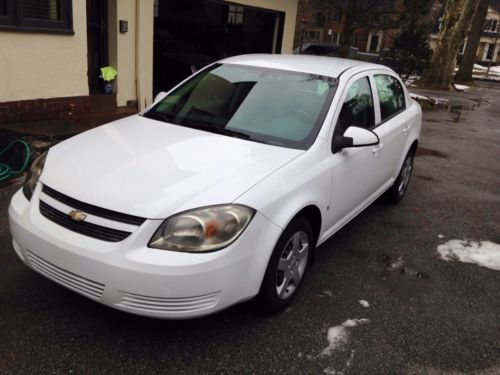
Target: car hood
{"x": 152, "y": 169}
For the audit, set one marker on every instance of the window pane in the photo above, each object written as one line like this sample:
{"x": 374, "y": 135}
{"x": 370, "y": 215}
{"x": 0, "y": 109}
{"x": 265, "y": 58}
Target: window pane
{"x": 357, "y": 109}
{"x": 3, "y": 7}
{"x": 374, "y": 43}
{"x": 391, "y": 95}
{"x": 42, "y": 9}
{"x": 271, "y": 106}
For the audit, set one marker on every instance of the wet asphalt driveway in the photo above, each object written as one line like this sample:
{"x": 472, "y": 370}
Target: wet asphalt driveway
{"x": 428, "y": 316}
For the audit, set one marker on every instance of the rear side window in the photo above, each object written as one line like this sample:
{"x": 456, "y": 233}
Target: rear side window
{"x": 391, "y": 95}
{"x": 357, "y": 109}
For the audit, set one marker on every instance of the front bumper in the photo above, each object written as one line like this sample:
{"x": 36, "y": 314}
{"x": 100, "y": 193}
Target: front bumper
{"x": 129, "y": 276}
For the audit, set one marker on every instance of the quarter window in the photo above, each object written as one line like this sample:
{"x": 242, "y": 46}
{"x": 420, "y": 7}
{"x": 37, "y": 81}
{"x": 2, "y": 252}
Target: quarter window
{"x": 390, "y": 94}
{"x": 357, "y": 109}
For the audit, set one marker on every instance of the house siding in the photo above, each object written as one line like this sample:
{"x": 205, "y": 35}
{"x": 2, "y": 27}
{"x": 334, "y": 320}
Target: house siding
{"x": 42, "y": 66}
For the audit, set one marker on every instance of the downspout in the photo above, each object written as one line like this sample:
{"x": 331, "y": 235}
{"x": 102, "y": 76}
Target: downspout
{"x": 138, "y": 91}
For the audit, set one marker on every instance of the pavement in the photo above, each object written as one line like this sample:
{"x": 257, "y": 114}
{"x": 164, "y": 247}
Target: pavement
{"x": 426, "y": 317}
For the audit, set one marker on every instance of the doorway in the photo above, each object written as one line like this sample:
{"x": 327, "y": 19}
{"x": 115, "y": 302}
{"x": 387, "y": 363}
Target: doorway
{"x": 97, "y": 42}
{"x": 190, "y": 34}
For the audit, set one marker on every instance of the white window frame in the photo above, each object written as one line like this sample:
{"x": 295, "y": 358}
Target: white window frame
{"x": 495, "y": 52}
{"x": 461, "y": 52}
{"x": 380, "y": 35}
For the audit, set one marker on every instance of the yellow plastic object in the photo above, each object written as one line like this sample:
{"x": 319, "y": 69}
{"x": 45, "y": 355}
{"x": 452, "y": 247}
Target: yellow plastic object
{"x": 108, "y": 73}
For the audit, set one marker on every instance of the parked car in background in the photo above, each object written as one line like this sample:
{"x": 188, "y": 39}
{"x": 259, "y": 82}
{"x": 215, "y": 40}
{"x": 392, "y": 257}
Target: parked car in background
{"x": 318, "y": 49}
{"x": 220, "y": 191}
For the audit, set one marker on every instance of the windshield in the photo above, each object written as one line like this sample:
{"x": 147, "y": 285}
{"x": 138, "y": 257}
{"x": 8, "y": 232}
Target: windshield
{"x": 272, "y": 106}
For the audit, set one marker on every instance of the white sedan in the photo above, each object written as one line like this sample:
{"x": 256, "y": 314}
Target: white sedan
{"x": 222, "y": 189}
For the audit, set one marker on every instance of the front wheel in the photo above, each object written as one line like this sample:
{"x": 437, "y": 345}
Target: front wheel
{"x": 398, "y": 190}
{"x": 287, "y": 266}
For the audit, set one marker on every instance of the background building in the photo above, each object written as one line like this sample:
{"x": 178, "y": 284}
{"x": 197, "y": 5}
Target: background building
{"x": 319, "y": 22}
{"x": 51, "y": 50}
{"x": 489, "y": 44}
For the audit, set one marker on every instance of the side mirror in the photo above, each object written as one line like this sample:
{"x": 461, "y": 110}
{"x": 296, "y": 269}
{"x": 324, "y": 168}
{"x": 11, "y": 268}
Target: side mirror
{"x": 354, "y": 137}
{"x": 159, "y": 96}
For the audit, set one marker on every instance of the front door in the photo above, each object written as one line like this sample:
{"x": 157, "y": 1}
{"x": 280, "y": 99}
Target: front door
{"x": 356, "y": 175}
{"x": 97, "y": 42}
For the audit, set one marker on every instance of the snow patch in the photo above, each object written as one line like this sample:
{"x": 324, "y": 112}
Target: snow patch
{"x": 418, "y": 97}
{"x": 437, "y": 101}
{"x": 326, "y": 293}
{"x": 463, "y": 88}
{"x": 483, "y": 253}
{"x": 491, "y": 77}
{"x": 495, "y": 69}
{"x": 364, "y": 303}
{"x": 331, "y": 371}
{"x": 338, "y": 335}
{"x": 440, "y": 235}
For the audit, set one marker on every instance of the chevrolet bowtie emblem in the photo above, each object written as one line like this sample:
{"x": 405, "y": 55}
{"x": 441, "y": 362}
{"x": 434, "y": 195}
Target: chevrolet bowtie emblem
{"x": 77, "y": 215}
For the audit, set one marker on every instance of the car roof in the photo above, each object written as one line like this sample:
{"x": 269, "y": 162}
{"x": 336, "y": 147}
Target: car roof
{"x": 322, "y": 65}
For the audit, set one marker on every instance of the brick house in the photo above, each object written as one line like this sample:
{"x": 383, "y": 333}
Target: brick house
{"x": 326, "y": 24}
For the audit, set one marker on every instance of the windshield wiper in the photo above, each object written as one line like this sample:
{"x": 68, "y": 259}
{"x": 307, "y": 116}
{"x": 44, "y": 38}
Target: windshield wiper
{"x": 200, "y": 126}
{"x": 219, "y": 130}
{"x": 157, "y": 116}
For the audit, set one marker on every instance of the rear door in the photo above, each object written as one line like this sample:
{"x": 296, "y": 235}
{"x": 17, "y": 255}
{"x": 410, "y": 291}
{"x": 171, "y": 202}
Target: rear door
{"x": 392, "y": 124}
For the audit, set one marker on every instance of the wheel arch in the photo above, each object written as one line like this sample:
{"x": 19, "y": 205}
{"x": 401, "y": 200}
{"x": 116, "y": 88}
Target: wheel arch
{"x": 414, "y": 146}
{"x": 313, "y": 215}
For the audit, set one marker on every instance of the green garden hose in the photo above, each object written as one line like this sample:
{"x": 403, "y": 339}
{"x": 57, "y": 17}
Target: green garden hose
{"x": 6, "y": 171}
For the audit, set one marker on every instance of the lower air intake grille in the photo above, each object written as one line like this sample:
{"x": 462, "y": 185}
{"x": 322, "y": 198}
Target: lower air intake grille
{"x": 158, "y": 304}
{"x": 87, "y": 287}
{"x": 82, "y": 227}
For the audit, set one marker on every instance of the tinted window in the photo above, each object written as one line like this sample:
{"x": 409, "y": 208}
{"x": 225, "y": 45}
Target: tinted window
{"x": 357, "y": 109}
{"x": 265, "y": 105}
{"x": 391, "y": 95}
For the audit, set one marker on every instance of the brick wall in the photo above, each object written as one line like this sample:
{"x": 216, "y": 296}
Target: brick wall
{"x": 73, "y": 109}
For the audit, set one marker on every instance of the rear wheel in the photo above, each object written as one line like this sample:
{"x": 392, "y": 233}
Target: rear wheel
{"x": 398, "y": 190}
{"x": 287, "y": 266}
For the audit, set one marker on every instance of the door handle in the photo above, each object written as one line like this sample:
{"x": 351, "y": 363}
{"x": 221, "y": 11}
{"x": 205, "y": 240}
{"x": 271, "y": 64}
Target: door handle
{"x": 377, "y": 149}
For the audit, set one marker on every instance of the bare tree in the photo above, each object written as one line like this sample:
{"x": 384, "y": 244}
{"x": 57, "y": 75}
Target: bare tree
{"x": 464, "y": 73}
{"x": 373, "y": 15}
{"x": 457, "y": 19}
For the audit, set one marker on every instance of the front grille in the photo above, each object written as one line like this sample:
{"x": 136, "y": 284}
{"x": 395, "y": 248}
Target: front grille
{"x": 93, "y": 210}
{"x": 173, "y": 305}
{"x": 82, "y": 227}
{"x": 70, "y": 280}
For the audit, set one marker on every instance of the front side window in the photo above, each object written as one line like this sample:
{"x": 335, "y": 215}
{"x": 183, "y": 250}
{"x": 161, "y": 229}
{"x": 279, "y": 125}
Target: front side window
{"x": 357, "y": 109}
{"x": 391, "y": 95}
{"x": 37, "y": 15}
{"x": 271, "y": 106}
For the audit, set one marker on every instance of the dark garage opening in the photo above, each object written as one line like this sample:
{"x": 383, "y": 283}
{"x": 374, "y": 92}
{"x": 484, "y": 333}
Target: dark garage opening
{"x": 190, "y": 34}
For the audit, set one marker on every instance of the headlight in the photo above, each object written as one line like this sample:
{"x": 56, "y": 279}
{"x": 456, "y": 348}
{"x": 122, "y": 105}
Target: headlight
{"x": 203, "y": 229}
{"x": 33, "y": 175}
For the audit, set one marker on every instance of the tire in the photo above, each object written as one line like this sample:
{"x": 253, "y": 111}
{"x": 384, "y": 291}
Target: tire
{"x": 289, "y": 261}
{"x": 397, "y": 191}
